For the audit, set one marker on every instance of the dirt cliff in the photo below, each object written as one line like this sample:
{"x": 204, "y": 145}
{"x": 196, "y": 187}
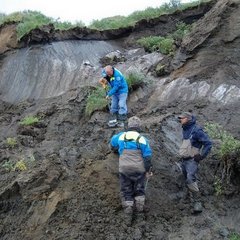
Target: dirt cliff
{"x": 70, "y": 189}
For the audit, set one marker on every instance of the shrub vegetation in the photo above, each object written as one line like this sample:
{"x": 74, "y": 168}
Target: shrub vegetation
{"x": 29, "y": 120}
{"x": 227, "y": 150}
{"x": 11, "y": 142}
{"x": 116, "y": 22}
{"x": 28, "y": 20}
{"x": 135, "y": 80}
{"x": 96, "y": 101}
{"x": 165, "y": 45}
{"x": 234, "y": 236}
{"x": 8, "y": 166}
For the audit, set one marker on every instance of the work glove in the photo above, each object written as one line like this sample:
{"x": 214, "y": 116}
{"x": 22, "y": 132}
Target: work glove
{"x": 104, "y": 83}
{"x": 149, "y": 173}
{"x": 113, "y": 149}
{"x": 198, "y": 158}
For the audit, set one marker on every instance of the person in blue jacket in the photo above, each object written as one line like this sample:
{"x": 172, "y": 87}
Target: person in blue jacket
{"x": 134, "y": 166}
{"x": 118, "y": 92}
{"x": 196, "y": 145}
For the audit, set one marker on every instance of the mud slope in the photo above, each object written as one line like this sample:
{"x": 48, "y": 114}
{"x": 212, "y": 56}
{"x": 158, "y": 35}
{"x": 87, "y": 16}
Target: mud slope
{"x": 70, "y": 189}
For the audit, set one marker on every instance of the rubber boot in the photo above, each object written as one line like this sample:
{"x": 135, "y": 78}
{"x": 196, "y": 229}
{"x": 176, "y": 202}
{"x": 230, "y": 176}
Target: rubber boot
{"x": 128, "y": 211}
{"x": 122, "y": 120}
{"x": 195, "y": 200}
{"x": 193, "y": 187}
{"x": 197, "y": 206}
{"x": 113, "y": 120}
{"x": 139, "y": 205}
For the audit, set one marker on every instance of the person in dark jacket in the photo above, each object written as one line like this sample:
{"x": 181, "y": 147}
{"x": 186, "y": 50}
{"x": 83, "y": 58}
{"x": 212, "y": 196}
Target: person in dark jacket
{"x": 134, "y": 166}
{"x": 118, "y": 92}
{"x": 196, "y": 145}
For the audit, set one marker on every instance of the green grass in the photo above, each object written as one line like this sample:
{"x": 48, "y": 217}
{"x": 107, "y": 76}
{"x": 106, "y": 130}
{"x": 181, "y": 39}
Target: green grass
{"x": 229, "y": 146}
{"x": 165, "y": 45}
{"x": 182, "y": 29}
{"x": 96, "y": 101}
{"x": 8, "y": 166}
{"x": 135, "y": 80}
{"x": 28, "y": 20}
{"x": 116, "y": 22}
{"x": 31, "y": 20}
{"x": 218, "y": 188}
{"x": 234, "y": 236}
{"x": 227, "y": 150}
{"x": 29, "y": 120}
{"x": 20, "y": 165}
{"x": 156, "y": 43}
{"x": 11, "y": 142}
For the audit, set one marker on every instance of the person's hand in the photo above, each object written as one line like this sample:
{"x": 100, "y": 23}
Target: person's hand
{"x": 149, "y": 174}
{"x": 107, "y": 97}
{"x": 198, "y": 158}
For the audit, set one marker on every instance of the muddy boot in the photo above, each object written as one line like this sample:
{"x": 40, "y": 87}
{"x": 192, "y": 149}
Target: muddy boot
{"x": 122, "y": 120}
{"x": 193, "y": 187}
{"x": 197, "y": 207}
{"x": 183, "y": 198}
{"x": 139, "y": 205}
{"x": 128, "y": 212}
{"x": 113, "y": 120}
{"x": 195, "y": 199}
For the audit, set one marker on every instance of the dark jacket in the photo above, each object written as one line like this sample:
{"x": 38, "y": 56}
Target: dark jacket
{"x": 199, "y": 138}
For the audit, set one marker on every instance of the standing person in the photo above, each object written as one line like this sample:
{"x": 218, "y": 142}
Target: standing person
{"x": 195, "y": 147}
{"x": 134, "y": 166}
{"x": 118, "y": 92}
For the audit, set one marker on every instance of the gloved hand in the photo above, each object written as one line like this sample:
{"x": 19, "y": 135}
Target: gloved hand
{"x": 149, "y": 174}
{"x": 114, "y": 149}
{"x": 198, "y": 158}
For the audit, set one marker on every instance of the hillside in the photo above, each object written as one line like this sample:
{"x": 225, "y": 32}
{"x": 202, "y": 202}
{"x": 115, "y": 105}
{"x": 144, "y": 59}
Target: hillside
{"x": 70, "y": 189}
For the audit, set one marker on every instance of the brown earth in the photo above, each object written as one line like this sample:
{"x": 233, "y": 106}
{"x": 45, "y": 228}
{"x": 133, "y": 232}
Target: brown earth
{"x": 70, "y": 189}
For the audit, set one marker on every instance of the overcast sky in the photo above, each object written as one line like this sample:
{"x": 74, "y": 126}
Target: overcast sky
{"x": 76, "y": 10}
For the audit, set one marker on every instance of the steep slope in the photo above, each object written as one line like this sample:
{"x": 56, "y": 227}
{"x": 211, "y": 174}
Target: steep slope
{"x": 70, "y": 189}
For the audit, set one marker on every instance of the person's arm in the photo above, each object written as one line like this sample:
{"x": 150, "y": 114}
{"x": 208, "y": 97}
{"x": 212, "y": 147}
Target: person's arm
{"x": 147, "y": 163}
{"x": 206, "y": 143}
{"x": 114, "y": 142}
{"x": 117, "y": 84}
{"x": 147, "y": 154}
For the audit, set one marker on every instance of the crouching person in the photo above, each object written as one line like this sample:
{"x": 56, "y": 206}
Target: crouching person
{"x": 134, "y": 166}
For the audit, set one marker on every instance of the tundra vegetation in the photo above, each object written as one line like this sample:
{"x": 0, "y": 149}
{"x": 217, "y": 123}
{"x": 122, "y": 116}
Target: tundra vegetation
{"x": 29, "y": 20}
{"x": 227, "y": 151}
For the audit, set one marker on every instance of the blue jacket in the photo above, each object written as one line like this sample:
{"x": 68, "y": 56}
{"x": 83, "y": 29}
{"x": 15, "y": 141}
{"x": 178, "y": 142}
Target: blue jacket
{"x": 134, "y": 151}
{"x": 199, "y": 138}
{"x": 117, "y": 83}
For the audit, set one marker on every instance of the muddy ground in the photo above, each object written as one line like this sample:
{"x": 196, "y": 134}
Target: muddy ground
{"x": 70, "y": 189}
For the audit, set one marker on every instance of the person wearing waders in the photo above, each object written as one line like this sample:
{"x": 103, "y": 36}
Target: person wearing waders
{"x": 134, "y": 168}
{"x": 195, "y": 147}
{"x": 118, "y": 92}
